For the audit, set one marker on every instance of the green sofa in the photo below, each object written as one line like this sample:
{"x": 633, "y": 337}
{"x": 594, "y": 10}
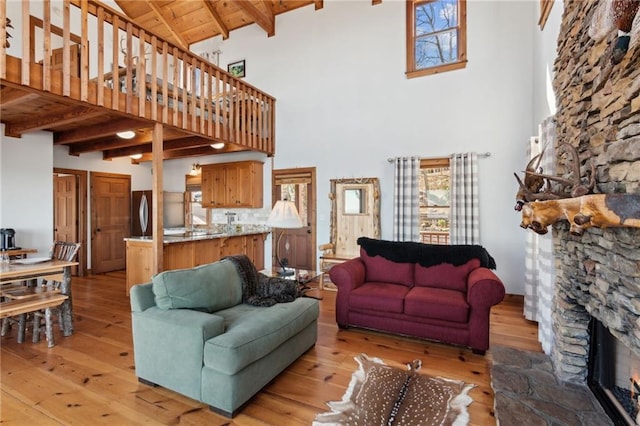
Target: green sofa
{"x": 192, "y": 334}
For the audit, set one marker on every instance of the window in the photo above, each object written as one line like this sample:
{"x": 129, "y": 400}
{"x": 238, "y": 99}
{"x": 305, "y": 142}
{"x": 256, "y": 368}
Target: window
{"x": 435, "y": 200}
{"x": 436, "y": 36}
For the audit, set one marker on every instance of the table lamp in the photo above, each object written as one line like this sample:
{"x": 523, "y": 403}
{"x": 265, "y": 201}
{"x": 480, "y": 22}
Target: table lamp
{"x": 285, "y": 216}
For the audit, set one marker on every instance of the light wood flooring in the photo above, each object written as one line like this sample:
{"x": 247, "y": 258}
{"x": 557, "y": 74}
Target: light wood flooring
{"x": 89, "y": 378}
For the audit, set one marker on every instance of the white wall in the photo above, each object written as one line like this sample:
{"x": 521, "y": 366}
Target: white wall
{"x": 345, "y": 106}
{"x": 26, "y": 188}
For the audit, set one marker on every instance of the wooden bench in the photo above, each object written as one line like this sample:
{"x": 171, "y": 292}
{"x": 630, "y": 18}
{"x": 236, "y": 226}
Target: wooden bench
{"x": 21, "y": 307}
{"x": 24, "y": 292}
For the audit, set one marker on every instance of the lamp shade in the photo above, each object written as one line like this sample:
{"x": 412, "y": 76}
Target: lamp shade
{"x": 284, "y": 215}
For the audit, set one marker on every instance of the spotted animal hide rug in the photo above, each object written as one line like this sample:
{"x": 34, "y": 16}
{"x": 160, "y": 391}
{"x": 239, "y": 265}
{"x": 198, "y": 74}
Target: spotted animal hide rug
{"x": 382, "y": 395}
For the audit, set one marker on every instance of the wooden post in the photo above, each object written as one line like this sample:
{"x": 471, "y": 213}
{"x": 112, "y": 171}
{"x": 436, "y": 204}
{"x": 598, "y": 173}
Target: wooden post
{"x": 156, "y": 167}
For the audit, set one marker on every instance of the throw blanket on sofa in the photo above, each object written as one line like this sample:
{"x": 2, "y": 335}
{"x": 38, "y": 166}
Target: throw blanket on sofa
{"x": 426, "y": 254}
{"x": 260, "y": 290}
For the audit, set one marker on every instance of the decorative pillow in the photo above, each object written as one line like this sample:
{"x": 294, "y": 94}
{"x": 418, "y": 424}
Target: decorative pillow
{"x": 445, "y": 275}
{"x": 208, "y": 287}
{"x": 380, "y": 395}
{"x": 379, "y": 269}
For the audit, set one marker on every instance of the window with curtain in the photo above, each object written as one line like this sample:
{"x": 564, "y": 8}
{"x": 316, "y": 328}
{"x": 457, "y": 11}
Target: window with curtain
{"x": 436, "y": 36}
{"x": 435, "y": 200}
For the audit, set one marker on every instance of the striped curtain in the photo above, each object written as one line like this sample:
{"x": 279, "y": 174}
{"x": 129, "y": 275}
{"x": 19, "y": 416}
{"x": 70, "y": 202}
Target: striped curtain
{"x": 465, "y": 223}
{"x": 406, "y": 208}
{"x": 539, "y": 274}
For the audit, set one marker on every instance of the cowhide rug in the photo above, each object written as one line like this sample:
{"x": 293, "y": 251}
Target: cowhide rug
{"x": 382, "y": 395}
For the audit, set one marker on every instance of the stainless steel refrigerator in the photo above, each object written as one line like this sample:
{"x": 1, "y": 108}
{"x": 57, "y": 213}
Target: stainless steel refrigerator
{"x": 141, "y": 220}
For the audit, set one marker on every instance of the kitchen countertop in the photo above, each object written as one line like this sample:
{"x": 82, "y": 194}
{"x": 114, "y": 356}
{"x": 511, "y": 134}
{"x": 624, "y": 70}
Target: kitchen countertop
{"x": 176, "y": 236}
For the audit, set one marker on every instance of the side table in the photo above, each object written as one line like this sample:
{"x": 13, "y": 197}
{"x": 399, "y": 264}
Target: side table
{"x": 326, "y": 263}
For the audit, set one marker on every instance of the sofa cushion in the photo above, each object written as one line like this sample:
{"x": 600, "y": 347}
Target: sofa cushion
{"x": 252, "y": 332}
{"x": 208, "y": 287}
{"x": 437, "y": 303}
{"x": 385, "y": 297}
{"x": 445, "y": 275}
{"x": 383, "y": 270}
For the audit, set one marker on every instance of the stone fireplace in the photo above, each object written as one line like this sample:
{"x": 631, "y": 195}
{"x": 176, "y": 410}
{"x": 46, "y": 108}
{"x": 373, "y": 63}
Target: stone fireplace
{"x": 597, "y": 273}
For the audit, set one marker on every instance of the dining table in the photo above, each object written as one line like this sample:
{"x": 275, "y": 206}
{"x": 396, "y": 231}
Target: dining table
{"x": 34, "y": 268}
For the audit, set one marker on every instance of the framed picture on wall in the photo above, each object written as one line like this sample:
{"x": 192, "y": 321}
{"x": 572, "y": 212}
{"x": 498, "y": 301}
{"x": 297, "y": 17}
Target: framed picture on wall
{"x": 237, "y": 69}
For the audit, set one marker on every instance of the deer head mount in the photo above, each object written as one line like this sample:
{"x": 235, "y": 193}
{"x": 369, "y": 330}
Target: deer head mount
{"x": 538, "y": 186}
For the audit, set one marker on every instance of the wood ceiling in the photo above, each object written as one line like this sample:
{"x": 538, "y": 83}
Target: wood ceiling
{"x": 184, "y": 22}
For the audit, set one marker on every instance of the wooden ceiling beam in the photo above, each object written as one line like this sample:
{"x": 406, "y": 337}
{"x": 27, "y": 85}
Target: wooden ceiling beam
{"x": 65, "y": 117}
{"x": 102, "y": 144}
{"x": 319, "y": 4}
{"x": 266, "y": 20}
{"x": 106, "y": 129}
{"x": 217, "y": 20}
{"x": 166, "y": 21}
{"x": 10, "y": 96}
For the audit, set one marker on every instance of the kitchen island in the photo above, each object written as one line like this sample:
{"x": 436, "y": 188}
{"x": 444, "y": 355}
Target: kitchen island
{"x": 192, "y": 248}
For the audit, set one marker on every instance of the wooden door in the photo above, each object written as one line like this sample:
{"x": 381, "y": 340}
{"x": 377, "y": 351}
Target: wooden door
{"x": 297, "y": 245}
{"x": 110, "y": 220}
{"x": 65, "y": 212}
{"x": 80, "y": 225}
{"x": 56, "y": 60}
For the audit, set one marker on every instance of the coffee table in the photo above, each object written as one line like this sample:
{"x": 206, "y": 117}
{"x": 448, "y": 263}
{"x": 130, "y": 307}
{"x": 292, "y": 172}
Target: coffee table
{"x": 302, "y": 276}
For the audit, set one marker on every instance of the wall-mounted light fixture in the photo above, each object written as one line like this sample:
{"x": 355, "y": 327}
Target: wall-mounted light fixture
{"x": 217, "y": 145}
{"x": 195, "y": 169}
{"x": 136, "y": 156}
{"x": 129, "y": 134}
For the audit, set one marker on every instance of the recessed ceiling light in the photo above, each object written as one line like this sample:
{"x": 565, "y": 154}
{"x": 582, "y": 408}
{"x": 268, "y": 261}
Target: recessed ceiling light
{"x": 136, "y": 156}
{"x": 217, "y": 145}
{"x": 129, "y": 134}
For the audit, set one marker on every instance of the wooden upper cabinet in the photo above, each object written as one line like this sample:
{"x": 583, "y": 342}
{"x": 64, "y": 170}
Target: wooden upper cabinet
{"x": 228, "y": 185}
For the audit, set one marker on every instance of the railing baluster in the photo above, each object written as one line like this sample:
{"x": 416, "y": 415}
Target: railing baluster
{"x": 165, "y": 82}
{"x": 129, "y": 65}
{"x": 66, "y": 49}
{"x": 26, "y": 59}
{"x": 46, "y": 40}
{"x": 84, "y": 52}
{"x": 141, "y": 74}
{"x": 115, "y": 65}
{"x": 100, "y": 29}
{"x": 154, "y": 80}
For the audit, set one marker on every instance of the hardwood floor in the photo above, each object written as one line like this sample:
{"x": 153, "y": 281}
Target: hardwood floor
{"x": 89, "y": 378}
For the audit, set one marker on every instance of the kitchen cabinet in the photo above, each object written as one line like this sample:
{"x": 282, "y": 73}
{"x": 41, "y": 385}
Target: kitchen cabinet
{"x": 190, "y": 253}
{"x": 232, "y": 185}
{"x": 255, "y": 249}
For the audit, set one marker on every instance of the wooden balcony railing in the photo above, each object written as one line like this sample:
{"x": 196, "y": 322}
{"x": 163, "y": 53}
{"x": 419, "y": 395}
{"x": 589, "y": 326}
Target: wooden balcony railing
{"x": 85, "y": 51}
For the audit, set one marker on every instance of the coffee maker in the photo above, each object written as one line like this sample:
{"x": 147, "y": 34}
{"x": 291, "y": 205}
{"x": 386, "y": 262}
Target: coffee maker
{"x": 7, "y": 239}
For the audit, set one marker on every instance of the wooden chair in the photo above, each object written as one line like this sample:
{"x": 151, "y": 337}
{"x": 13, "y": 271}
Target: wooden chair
{"x": 60, "y": 250}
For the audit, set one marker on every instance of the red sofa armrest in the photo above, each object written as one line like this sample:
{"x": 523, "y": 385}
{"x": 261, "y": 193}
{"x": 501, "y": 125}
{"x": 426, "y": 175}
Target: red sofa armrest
{"x": 484, "y": 288}
{"x": 347, "y": 276}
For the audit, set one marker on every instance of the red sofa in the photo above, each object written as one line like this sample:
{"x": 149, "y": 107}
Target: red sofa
{"x": 443, "y": 293}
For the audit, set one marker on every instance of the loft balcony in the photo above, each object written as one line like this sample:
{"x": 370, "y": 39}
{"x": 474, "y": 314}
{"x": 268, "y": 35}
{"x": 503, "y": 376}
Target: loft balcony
{"x": 85, "y": 72}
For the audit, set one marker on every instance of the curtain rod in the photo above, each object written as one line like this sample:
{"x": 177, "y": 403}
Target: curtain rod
{"x": 481, "y": 155}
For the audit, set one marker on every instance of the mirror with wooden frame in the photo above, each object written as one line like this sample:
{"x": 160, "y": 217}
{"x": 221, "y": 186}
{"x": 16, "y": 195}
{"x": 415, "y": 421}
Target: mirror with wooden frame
{"x": 355, "y": 213}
